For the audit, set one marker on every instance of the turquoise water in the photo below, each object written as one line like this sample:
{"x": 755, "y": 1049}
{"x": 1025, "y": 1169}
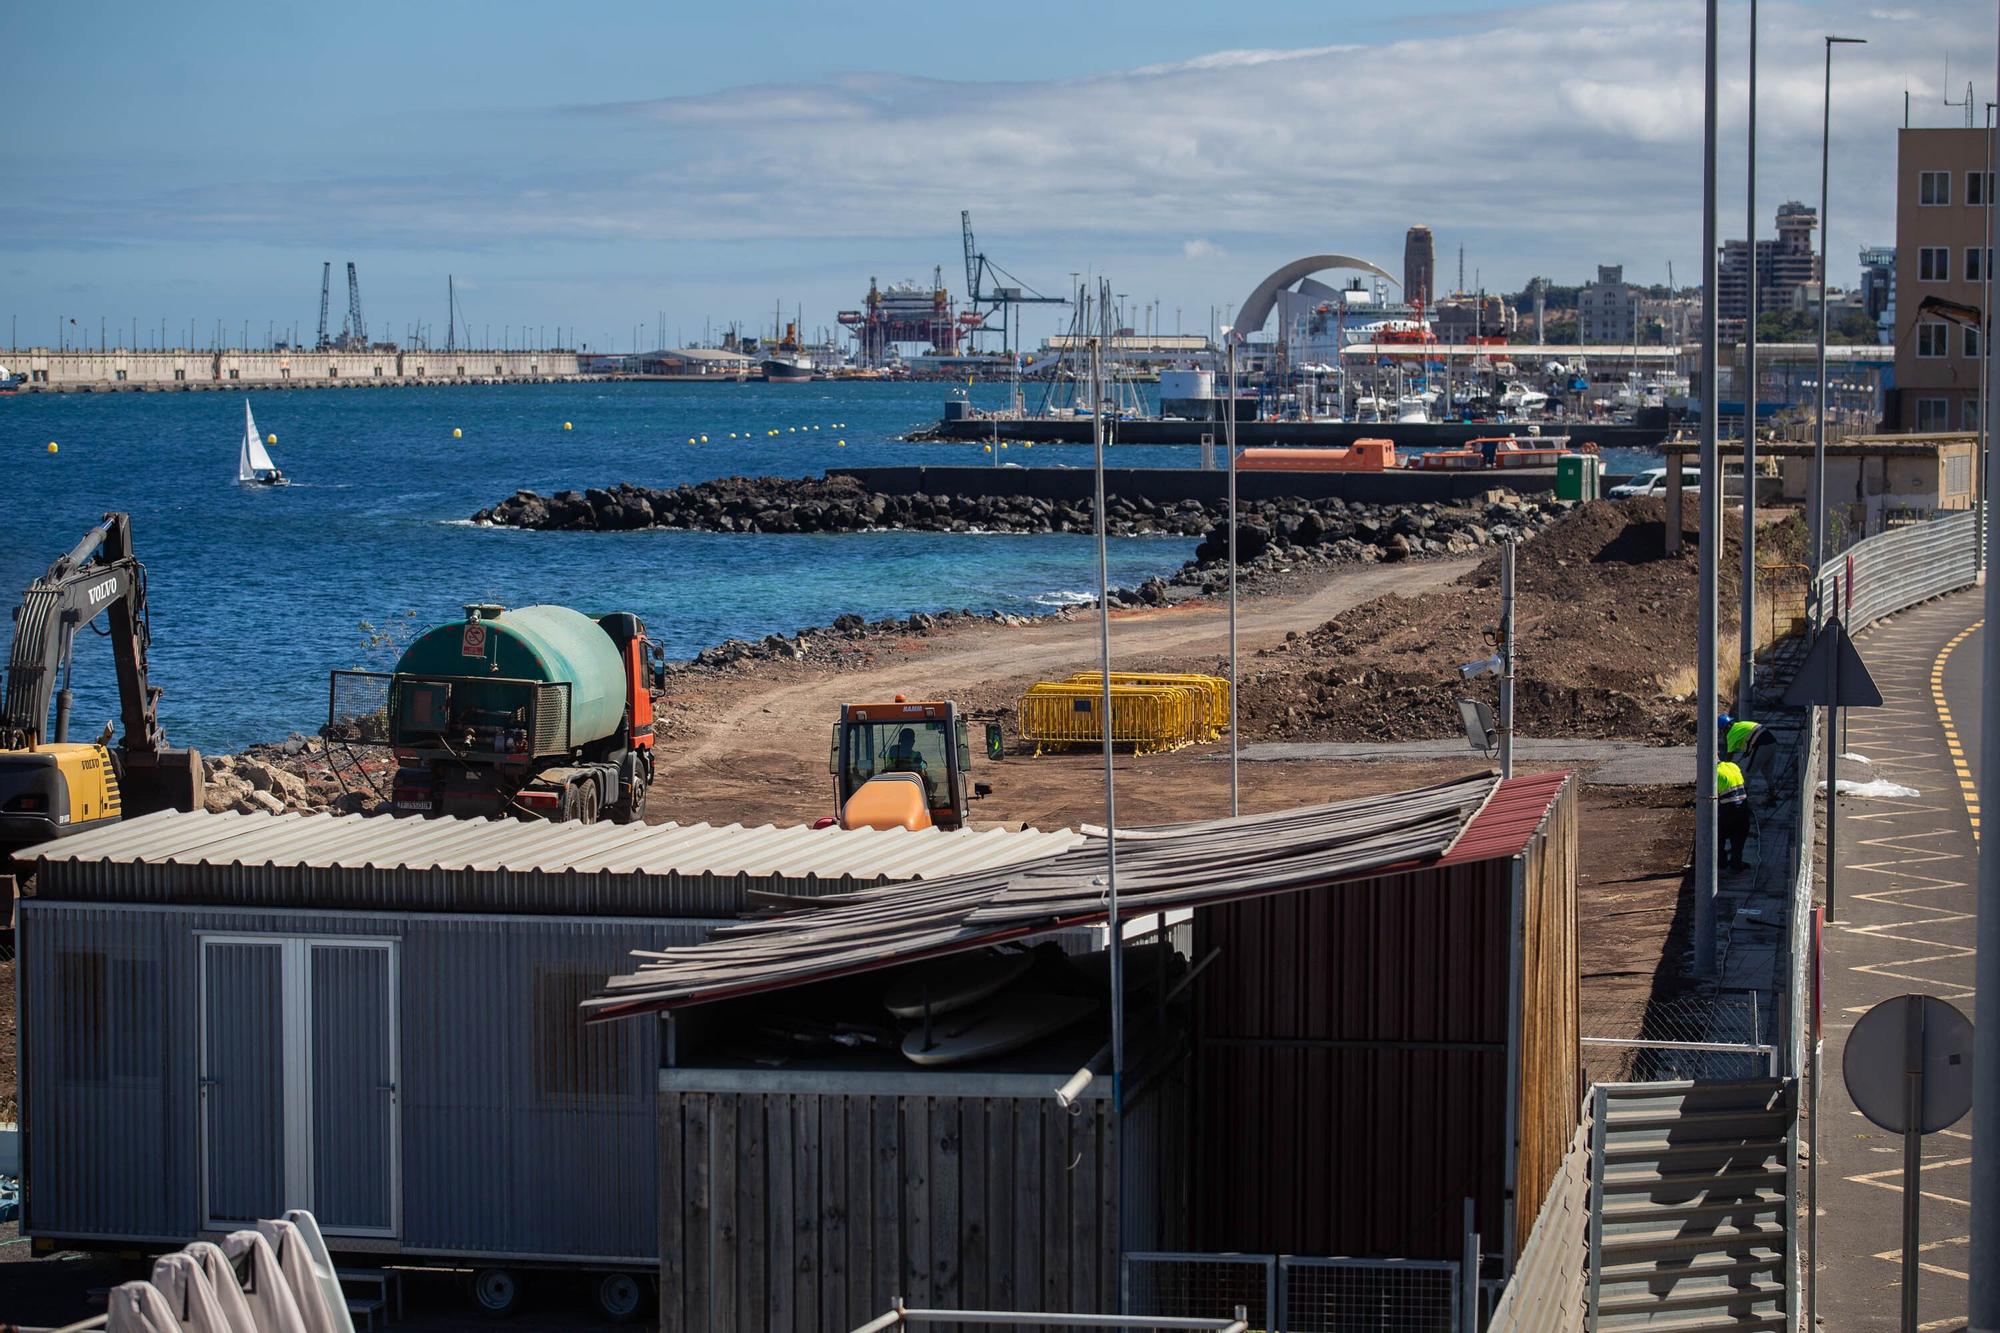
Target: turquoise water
{"x": 258, "y": 592}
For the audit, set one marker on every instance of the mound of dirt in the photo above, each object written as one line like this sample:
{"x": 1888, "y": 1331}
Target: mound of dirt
{"x": 1605, "y": 621}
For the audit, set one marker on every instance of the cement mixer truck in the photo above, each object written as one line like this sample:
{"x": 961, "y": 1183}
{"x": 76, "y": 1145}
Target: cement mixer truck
{"x": 539, "y": 712}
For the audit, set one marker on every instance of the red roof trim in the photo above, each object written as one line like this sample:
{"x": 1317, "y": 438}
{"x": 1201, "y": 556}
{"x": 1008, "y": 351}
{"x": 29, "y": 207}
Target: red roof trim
{"x": 1507, "y": 823}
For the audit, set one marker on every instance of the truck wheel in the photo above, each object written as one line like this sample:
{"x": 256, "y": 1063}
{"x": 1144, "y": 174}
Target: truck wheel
{"x": 496, "y": 1292}
{"x": 585, "y": 802}
{"x": 632, "y": 810}
{"x": 620, "y": 1297}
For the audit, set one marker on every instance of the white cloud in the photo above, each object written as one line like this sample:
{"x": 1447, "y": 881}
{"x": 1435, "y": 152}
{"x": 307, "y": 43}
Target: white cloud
{"x": 1551, "y": 138}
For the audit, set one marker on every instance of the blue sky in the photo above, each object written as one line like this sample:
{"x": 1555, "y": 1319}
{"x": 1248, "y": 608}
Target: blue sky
{"x": 197, "y": 162}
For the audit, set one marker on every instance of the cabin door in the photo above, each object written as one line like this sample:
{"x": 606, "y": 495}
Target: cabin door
{"x": 298, "y": 1082}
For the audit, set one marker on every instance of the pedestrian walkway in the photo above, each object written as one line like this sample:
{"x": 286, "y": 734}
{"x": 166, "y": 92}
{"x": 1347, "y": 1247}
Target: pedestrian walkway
{"x": 1901, "y": 922}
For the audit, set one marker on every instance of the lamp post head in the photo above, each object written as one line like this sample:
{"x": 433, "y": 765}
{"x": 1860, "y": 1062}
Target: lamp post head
{"x": 1846, "y": 41}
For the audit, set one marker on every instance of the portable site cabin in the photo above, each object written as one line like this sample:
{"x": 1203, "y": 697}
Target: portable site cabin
{"x": 1374, "y": 1020}
{"x": 223, "y": 1016}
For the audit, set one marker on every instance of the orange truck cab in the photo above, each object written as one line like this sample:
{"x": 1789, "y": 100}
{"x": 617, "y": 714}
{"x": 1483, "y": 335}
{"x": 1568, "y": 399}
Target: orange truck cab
{"x": 900, "y": 765}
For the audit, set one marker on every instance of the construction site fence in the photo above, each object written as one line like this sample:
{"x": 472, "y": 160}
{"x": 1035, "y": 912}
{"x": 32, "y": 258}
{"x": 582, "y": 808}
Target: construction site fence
{"x": 1149, "y": 718}
{"x": 1289, "y": 1293}
{"x": 1213, "y": 691}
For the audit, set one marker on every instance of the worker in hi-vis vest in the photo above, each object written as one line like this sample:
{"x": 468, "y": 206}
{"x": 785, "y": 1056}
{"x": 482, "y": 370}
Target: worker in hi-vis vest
{"x": 1740, "y": 737}
{"x": 1732, "y": 801}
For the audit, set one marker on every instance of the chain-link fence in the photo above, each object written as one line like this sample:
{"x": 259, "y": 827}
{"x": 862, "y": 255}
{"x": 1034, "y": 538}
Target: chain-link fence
{"x": 1698, "y": 1034}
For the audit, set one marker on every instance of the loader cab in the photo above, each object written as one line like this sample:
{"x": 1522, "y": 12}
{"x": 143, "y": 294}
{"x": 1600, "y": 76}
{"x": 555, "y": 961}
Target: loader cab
{"x": 900, "y": 765}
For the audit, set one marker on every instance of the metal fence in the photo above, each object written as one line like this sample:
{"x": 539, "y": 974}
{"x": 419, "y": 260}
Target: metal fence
{"x": 1287, "y": 1293}
{"x": 1892, "y": 570}
{"x": 1367, "y": 1295}
{"x": 1201, "y": 1285}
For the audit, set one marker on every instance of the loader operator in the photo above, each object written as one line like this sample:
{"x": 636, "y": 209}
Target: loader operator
{"x": 1732, "y": 800}
{"x": 903, "y": 757}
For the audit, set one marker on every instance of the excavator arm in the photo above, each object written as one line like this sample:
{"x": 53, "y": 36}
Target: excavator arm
{"x": 100, "y": 576}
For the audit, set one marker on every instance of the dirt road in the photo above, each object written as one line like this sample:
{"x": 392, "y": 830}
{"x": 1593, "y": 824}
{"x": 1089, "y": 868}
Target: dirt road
{"x": 752, "y": 748}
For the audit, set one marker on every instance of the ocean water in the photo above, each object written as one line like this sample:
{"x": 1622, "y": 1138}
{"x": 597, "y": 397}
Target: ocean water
{"x": 258, "y": 592}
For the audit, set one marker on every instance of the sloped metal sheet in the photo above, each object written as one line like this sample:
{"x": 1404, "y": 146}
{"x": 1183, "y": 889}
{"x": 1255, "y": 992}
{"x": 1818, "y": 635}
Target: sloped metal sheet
{"x": 1178, "y": 866}
{"x": 373, "y": 863}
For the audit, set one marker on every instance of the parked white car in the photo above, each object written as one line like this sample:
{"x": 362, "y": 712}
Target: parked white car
{"x": 1653, "y": 481}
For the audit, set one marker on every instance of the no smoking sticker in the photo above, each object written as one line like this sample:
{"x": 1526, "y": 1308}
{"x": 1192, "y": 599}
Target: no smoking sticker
{"x": 474, "y": 642}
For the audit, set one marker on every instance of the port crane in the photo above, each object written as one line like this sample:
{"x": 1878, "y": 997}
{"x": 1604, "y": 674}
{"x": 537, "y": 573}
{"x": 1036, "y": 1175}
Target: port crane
{"x": 356, "y": 336}
{"x": 325, "y": 291}
{"x": 998, "y": 298}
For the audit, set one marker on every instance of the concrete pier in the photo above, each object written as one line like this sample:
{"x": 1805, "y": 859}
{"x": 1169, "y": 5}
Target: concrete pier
{"x": 49, "y": 371}
{"x": 1172, "y": 485}
{"x": 1251, "y": 434}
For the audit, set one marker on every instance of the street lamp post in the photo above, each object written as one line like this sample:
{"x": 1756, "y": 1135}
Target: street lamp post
{"x": 1709, "y": 507}
{"x": 1819, "y": 430}
{"x": 1746, "y": 610}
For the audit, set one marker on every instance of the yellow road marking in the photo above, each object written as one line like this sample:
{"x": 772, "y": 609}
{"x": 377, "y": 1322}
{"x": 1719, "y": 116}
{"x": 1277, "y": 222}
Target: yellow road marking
{"x": 1968, "y": 787}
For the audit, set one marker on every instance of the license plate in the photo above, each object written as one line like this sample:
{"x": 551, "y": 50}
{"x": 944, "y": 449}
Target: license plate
{"x": 413, "y": 805}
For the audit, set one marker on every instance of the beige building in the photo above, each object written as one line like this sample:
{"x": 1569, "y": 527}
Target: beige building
{"x": 1943, "y": 191}
{"x": 194, "y": 369}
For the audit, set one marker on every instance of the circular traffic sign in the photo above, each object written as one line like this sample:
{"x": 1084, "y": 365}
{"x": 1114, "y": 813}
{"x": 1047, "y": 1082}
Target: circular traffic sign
{"x": 1910, "y": 1037}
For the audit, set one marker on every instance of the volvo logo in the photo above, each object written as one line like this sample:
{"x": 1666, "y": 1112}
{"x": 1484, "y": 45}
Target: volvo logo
{"x": 101, "y": 591}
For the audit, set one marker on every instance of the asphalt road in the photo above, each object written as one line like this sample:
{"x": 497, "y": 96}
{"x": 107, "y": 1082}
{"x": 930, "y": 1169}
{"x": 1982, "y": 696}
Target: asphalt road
{"x": 1902, "y": 923}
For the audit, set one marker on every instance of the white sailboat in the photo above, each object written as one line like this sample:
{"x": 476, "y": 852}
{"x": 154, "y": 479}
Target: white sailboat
{"x": 253, "y": 461}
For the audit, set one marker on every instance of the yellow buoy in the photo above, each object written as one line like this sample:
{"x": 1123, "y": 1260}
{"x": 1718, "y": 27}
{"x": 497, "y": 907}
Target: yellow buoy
{"x": 690, "y": 439}
{"x": 1003, "y": 444}
{"x": 457, "y": 434}
{"x": 52, "y": 446}
{"x": 566, "y": 425}
{"x": 1027, "y": 444}
{"x": 987, "y": 447}
{"x": 704, "y": 439}
{"x": 842, "y": 443}
{"x": 732, "y": 434}
{"x": 791, "y": 430}
{"x": 270, "y": 439}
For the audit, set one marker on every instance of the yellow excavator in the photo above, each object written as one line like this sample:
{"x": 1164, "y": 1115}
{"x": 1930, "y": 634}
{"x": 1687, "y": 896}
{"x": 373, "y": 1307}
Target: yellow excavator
{"x": 51, "y": 786}
{"x": 901, "y": 765}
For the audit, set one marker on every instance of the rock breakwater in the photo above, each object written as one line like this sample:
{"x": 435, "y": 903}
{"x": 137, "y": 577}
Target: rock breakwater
{"x": 842, "y": 504}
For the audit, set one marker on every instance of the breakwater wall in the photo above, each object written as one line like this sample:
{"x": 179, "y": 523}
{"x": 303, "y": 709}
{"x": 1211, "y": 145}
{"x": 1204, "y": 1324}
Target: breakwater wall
{"x": 1259, "y": 434}
{"x": 48, "y": 371}
{"x": 1173, "y": 485}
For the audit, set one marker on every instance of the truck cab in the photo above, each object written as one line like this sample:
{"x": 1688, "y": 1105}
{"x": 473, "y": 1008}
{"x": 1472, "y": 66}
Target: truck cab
{"x": 900, "y": 765}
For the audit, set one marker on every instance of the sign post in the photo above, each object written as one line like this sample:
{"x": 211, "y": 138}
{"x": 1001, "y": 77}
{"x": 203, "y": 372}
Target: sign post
{"x": 1909, "y": 1070}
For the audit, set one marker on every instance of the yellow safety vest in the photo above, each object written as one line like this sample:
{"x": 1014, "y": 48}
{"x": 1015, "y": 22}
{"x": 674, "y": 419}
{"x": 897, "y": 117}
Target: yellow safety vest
{"x": 1729, "y": 788}
{"x": 1738, "y": 737}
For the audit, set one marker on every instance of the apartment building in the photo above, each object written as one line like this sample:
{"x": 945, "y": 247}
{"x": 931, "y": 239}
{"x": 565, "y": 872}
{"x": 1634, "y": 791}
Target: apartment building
{"x": 1943, "y": 247}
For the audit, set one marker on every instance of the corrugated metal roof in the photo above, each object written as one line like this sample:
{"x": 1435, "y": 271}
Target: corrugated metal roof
{"x": 1158, "y": 869}
{"x": 1507, "y": 822}
{"x": 503, "y": 865}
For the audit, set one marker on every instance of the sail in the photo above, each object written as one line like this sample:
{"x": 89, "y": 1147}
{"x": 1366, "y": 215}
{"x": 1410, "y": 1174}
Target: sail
{"x": 252, "y": 459}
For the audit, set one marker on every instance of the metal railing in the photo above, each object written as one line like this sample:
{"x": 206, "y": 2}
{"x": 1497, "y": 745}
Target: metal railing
{"x": 900, "y": 1316}
{"x": 1167, "y": 1282}
{"x": 1892, "y": 570}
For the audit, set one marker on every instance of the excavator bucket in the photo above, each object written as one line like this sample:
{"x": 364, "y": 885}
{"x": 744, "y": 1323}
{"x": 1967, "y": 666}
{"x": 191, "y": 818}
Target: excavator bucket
{"x": 168, "y": 780}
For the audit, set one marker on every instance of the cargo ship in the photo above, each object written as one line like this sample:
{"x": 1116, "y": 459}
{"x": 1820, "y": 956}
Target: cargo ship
{"x": 788, "y": 363}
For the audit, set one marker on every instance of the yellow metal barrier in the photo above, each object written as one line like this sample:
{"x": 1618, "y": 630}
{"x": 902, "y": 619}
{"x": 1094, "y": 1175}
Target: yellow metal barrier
{"x": 1213, "y": 691}
{"x": 1149, "y": 718}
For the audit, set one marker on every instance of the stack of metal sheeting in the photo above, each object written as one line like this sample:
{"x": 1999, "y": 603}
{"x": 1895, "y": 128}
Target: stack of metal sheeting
{"x": 1179, "y": 866}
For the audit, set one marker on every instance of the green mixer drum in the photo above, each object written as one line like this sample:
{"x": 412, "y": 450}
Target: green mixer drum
{"x": 538, "y": 643}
